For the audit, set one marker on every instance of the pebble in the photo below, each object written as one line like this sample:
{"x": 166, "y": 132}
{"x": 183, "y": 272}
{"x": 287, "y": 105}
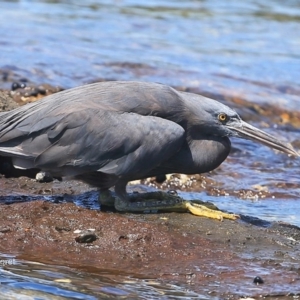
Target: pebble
{"x": 85, "y": 236}
{"x": 258, "y": 280}
{"x": 43, "y": 177}
{"x": 41, "y": 90}
{"x": 18, "y": 85}
{"x": 172, "y": 192}
{"x": 4, "y": 229}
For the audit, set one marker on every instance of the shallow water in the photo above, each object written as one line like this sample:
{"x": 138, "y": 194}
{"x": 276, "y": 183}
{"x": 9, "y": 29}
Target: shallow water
{"x": 247, "y": 49}
{"x": 21, "y": 278}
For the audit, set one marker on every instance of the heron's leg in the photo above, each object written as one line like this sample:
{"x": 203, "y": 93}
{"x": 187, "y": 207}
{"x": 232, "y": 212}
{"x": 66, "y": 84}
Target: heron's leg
{"x": 154, "y": 201}
{"x": 106, "y": 198}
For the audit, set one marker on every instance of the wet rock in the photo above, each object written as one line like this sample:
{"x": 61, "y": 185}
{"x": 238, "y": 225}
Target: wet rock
{"x": 258, "y": 280}
{"x": 8, "y": 76}
{"x": 4, "y": 229}
{"x": 172, "y": 192}
{"x": 175, "y": 181}
{"x": 26, "y": 93}
{"x": 7, "y": 102}
{"x": 18, "y": 85}
{"x": 41, "y": 90}
{"x": 62, "y": 228}
{"x": 43, "y": 177}
{"x": 86, "y": 236}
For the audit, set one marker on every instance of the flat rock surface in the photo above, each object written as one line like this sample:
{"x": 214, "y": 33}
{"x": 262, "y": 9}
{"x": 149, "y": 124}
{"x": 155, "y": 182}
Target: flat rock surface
{"x": 215, "y": 258}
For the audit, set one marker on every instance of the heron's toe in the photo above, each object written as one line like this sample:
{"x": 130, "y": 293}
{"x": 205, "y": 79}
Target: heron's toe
{"x": 208, "y": 210}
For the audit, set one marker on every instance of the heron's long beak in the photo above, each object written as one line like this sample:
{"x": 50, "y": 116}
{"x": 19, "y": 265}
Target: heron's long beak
{"x": 245, "y": 130}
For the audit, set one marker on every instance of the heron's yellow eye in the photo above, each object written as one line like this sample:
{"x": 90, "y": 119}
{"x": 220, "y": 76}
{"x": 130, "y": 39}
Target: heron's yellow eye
{"x": 222, "y": 117}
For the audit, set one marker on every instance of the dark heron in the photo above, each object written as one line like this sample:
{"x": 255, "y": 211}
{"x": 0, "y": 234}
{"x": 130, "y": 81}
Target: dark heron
{"x": 110, "y": 133}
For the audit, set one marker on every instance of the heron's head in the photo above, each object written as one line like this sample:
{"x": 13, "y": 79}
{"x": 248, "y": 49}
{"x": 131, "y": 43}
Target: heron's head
{"x": 224, "y": 121}
{"x": 208, "y": 117}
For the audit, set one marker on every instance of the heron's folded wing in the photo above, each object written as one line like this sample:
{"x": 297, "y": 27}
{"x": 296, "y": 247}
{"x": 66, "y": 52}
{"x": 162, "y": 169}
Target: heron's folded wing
{"x": 114, "y": 143}
{"x": 111, "y": 142}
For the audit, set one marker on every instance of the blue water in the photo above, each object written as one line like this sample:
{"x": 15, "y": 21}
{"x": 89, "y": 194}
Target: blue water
{"x": 21, "y": 279}
{"x": 241, "y": 47}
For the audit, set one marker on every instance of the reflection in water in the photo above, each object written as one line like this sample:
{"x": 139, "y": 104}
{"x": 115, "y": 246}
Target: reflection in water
{"x": 27, "y": 278}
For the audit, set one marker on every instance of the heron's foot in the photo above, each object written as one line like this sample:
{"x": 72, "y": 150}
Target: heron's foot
{"x": 160, "y": 201}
